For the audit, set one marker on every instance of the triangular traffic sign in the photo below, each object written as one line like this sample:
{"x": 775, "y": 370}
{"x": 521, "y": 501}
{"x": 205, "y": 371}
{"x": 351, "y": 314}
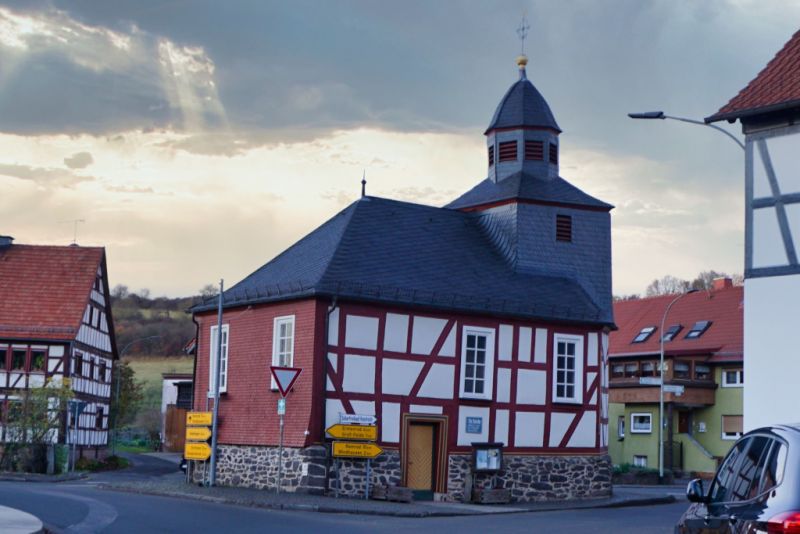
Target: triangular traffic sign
{"x": 285, "y": 377}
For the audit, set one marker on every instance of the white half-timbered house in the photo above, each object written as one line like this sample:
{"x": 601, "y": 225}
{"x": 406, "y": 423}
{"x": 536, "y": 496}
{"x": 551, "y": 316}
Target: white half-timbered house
{"x": 56, "y": 325}
{"x": 479, "y": 324}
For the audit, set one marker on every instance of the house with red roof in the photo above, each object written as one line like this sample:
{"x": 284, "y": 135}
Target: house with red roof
{"x": 56, "y": 326}
{"x": 768, "y": 109}
{"x": 703, "y": 378}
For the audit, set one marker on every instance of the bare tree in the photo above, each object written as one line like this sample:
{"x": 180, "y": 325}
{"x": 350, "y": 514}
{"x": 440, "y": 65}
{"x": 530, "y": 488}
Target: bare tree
{"x": 120, "y": 291}
{"x": 208, "y": 291}
{"x": 668, "y": 285}
{"x": 705, "y": 280}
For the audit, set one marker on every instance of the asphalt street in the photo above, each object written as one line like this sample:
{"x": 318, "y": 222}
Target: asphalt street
{"x": 82, "y": 507}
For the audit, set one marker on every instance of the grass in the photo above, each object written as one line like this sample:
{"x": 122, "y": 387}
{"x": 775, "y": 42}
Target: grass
{"x": 148, "y": 370}
{"x": 128, "y": 447}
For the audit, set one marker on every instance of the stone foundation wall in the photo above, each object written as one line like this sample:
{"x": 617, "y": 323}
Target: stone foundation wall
{"x": 537, "y": 478}
{"x": 351, "y": 478}
{"x": 257, "y": 467}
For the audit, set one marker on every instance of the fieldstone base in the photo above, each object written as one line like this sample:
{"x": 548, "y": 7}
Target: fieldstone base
{"x": 537, "y": 478}
{"x": 349, "y": 475}
{"x": 257, "y": 467}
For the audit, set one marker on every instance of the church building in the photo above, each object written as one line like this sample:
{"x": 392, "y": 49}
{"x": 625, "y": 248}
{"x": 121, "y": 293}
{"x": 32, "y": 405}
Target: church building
{"x": 480, "y": 324}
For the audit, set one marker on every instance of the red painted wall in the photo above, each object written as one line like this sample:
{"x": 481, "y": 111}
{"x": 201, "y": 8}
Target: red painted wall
{"x": 248, "y": 410}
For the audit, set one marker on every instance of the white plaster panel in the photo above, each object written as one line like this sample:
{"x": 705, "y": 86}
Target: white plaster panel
{"x": 525, "y": 335}
{"x": 399, "y": 376}
{"x": 426, "y": 331}
{"x": 359, "y": 374}
{"x": 604, "y": 407}
{"x": 531, "y": 386}
{"x": 592, "y": 351}
{"x": 334, "y": 360}
{"x": 363, "y": 407}
{"x": 422, "y": 408}
{"x": 540, "y": 347}
{"x": 15, "y": 380}
{"x": 604, "y": 339}
{"x": 333, "y": 407}
{"x": 390, "y": 422}
{"x": 585, "y": 434}
{"x": 559, "y": 423}
{"x": 505, "y": 342}
{"x": 57, "y": 351}
{"x": 529, "y": 429}
{"x": 503, "y": 385}
{"x": 501, "y": 426}
{"x": 333, "y": 328}
{"x": 395, "y": 338}
{"x": 590, "y": 379}
{"x": 472, "y": 411}
{"x": 35, "y": 380}
{"x": 361, "y": 332}
{"x": 449, "y": 347}
{"x": 593, "y": 400}
{"x": 439, "y": 382}
{"x": 3, "y": 379}
{"x": 329, "y": 384}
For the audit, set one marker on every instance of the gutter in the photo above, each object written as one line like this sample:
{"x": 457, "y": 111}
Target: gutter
{"x": 324, "y": 373}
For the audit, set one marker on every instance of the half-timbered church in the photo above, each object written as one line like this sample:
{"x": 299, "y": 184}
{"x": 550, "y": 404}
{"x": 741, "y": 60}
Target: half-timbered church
{"x": 55, "y": 324}
{"x": 479, "y": 324}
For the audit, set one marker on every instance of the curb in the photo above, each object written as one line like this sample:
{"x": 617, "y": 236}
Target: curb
{"x": 643, "y": 501}
{"x": 43, "y": 478}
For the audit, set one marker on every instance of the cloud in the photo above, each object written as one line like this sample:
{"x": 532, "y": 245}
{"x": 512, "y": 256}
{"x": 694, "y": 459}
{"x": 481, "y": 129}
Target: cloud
{"x": 79, "y": 160}
{"x": 128, "y": 189}
{"x": 45, "y": 177}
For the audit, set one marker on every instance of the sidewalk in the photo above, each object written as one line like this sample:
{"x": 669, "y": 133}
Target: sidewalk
{"x": 38, "y": 477}
{"x": 13, "y": 521}
{"x": 315, "y": 503}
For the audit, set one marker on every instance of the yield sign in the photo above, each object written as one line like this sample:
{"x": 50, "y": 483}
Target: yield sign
{"x": 285, "y": 377}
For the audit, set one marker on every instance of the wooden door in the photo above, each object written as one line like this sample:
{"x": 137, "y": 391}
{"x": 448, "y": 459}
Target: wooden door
{"x": 684, "y": 422}
{"x": 421, "y": 456}
{"x": 174, "y": 429}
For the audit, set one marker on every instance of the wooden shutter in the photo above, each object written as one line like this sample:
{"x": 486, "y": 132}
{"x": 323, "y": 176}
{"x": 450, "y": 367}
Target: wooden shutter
{"x": 564, "y": 228}
{"x": 508, "y": 151}
{"x": 534, "y": 150}
{"x": 732, "y": 424}
{"x": 491, "y": 156}
{"x": 553, "y": 153}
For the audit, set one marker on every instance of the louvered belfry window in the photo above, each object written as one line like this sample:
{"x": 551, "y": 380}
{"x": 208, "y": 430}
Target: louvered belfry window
{"x": 491, "y": 156}
{"x": 508, "y": 151}
{"x": 553, "y": 153}
{"x": 564, "y": 228}
{"x": 534, "y": 150}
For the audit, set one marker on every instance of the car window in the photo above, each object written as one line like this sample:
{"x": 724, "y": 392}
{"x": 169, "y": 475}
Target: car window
{"x": 751, "y": 466}
{"x": 773, "y": 470}
{"x": 726, "y": 474}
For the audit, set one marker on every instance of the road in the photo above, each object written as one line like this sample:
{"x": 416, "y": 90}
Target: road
{"x": 82, "y": 507}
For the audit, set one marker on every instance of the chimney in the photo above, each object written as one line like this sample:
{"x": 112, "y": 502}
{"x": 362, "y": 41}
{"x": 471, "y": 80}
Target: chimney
{"x": 721, "y": 283}
{"x": 6, "y": 240}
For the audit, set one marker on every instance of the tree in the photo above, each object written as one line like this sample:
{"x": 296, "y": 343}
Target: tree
{"x": 632, "y": 296}
{"x": 705, "y": 280}
{"x": 124, "y": 411}
{"x": 668, "y": 285}
{"x": 208, "y": 291}
{"x": 120, "y": 291}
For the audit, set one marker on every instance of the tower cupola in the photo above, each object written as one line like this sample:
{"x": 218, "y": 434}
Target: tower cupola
{"x": 523, "y": 134}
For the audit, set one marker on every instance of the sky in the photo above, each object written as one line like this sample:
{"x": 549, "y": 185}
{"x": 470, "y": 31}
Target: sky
{"x": 196, "y": 140}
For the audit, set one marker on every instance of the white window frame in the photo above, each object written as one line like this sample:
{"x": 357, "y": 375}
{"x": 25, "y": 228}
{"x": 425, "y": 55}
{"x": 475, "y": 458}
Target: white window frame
{"x": 577, "y": 396}
{"x": 739, "y": 375}
{"x": 212, "y": 359}
{"x": 634, "y": 430}
{"x": 488, "y": 377}
{"x": 276, "y": 325}
{"x": 621, "y": 427}
{"x": 637, "y": 460}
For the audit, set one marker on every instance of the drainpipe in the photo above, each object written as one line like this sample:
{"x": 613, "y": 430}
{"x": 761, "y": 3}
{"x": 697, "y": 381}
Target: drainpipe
{"x": 324, "y": 374}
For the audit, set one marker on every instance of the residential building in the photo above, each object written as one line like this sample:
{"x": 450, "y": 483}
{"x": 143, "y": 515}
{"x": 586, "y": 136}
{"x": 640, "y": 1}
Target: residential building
{"x": 768, "y": 109}
{"x": 702, "y": 359}
{"x": 484, "y": 321}
{"x": 176, "y": 400}
{"x": 56, "y": 324}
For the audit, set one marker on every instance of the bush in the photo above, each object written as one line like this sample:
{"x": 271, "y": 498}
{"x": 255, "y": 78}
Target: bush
{"x": 109, "y": 464}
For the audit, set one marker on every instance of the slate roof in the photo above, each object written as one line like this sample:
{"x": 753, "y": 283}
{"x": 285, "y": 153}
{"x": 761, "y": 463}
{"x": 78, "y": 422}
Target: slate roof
{"x": 526, "y": 186}
{"x": 723, "y": 340}
{"x": 44, "y": 290}
{"x": 387, "y": 251}
{"x": 523, "y": 105}
{"x": 776, "y": 87}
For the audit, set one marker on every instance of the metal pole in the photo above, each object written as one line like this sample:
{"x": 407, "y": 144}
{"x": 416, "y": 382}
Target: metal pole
{"x": 280, "y": 459}
{"x": 366, "y": 493}
{"x": 74, "y": 435}
{"x": 212, "y": 477}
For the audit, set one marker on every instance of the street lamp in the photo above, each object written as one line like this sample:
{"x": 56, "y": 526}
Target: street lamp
{"x": 661, "y": 115}
{"x": 116, "y": 392}
{"x": 661, "y": 388}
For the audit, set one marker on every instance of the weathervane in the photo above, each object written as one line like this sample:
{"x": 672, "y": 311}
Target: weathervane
{"x": 74, "y": 228}
{"x": 364, "y": 184}
{"x": 522, "y": 31}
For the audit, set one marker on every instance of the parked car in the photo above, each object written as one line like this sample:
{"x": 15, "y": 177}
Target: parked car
{"x": 755, "y": 489}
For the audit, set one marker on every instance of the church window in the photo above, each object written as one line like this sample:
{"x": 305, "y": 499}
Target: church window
{"x": 568, "y": 376}
{"x": 534, "y": 150}
{"x": 282, "y": 343}
{"x": 554, "y": 153}
{"x": 508, "y": 151}
{"x": 564, "y": 228}
{"x": 223, "y": 360}
{"x": 477, "y": 363}
{"x": 491, "y": 156}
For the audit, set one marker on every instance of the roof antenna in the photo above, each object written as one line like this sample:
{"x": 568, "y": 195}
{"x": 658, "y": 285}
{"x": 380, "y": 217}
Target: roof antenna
{"x": 74, "y": 229}
{"x": 364, "y": 184}
{"x": 522, "y": 31}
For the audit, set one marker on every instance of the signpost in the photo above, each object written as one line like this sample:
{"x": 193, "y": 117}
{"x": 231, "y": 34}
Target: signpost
{"x": 356, "y": 427}
{"x": 76, "y": 407}
{"x": 367, "y": 433}
{"x": 198, "y": 418}
{"x": 649, "y": 381}
{"x": 349, "y": 449}
{"x": 676, "y": 389}
{"x": 198, "y": 433}
{"x": 357, "y": 419}
{"x": 197, "y": 451}
{"x": 285, "y": 377}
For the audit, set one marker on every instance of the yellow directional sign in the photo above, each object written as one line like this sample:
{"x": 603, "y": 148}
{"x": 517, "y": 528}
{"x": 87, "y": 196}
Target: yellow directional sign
{"x": 349, "y": 449}
{"x": 363, "y": 432}
{"x": 198, "y": 418}
{"x": 196, "y": 451}
{"x": 198, "y": 433}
